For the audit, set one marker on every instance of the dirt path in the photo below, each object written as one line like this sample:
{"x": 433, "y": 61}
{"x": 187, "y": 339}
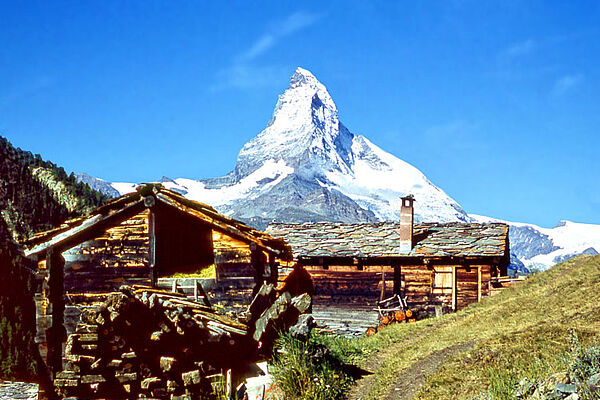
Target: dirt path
{"x": 411, "y": 379}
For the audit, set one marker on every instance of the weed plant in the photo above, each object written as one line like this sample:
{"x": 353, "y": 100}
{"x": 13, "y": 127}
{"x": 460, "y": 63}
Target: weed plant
{"x": 585, "y": 362}
{"x": 312, "y": 369}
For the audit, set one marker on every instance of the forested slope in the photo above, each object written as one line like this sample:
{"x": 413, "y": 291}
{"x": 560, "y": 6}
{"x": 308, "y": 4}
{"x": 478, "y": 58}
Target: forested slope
{"x": 37, "y": 194}
{"x": 34, "y": 195}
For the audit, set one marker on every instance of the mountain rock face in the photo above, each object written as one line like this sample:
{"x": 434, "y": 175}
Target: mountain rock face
{"x": 98, "y": 184}
{"x": 539, "y": 248}
{"x": 307, "y": 166}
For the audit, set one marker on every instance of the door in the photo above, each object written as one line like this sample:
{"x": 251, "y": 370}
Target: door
{"x": 466, "y": 286}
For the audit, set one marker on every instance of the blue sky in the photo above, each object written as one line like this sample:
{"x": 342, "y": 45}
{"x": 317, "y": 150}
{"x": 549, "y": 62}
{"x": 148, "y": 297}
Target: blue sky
{"x": 496, "y": 102}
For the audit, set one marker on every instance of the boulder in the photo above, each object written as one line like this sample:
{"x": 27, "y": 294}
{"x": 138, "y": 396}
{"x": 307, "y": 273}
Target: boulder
{"x": 301, "y": 330}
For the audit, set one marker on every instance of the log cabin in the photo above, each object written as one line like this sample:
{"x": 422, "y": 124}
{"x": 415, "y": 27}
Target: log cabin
{"x": 443, "y": 266}
{"x": 140, "y": 238}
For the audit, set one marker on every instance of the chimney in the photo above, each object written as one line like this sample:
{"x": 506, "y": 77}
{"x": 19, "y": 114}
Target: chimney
{"x": 406, "y": 224}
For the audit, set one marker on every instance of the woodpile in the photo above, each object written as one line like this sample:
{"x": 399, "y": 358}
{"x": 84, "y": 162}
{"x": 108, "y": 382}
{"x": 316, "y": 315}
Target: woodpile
{"x": 392, "y": 310}
{"x": 143, "y": 342}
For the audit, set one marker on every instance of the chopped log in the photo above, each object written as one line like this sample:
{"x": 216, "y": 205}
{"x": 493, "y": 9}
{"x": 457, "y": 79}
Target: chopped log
{"x": 261, "y": 301}
{"x": 279, "y": 317}
{"x": 385, "y": 320}
{"x": 411, "y": 320}
{"x": 371, "y": 331}
{"x": 380, "y": 328}
{"x": 400, "y": 316}
{"x": 409, "y": 313}
{"x": 271, "y": 314}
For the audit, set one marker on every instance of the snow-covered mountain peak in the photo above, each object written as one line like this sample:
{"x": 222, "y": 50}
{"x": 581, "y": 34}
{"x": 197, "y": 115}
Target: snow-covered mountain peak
{"x": 307, "y": 166}
{"x": 304, "y": 131}
{"x": 303, "y": 85}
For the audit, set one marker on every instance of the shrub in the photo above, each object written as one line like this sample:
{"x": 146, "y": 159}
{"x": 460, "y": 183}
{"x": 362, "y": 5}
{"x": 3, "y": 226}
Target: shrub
{"x": 310, "y": 370}
{"x": 585, "y": 362}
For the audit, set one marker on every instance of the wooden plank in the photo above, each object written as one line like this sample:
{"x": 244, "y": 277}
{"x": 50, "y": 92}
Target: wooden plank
{"x": 152, "y": 248}
{"x": 454, "y": 288}
{"x": 56, "y": 334}
{"x": 479, "y": 283}
{"x": 78, "y": 234}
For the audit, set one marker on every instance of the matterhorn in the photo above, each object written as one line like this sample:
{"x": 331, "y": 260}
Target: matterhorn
{"x": 307, "y": 166}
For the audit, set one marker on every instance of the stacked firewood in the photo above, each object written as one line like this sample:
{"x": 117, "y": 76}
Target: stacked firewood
{"x": 148, "y": 343}
{"x": 391, "y": 311}
{"x": 392, "y": 317}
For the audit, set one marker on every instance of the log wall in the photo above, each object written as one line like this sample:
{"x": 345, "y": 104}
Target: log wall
{"x": 342, "y": 291}
{"x": 116, "y": 257}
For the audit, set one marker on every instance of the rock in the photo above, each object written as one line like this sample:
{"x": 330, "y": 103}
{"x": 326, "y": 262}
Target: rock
{"x": 594, "y": 380}
{"x": 572, "y": 396}
{"x": 566, "y": 388}
{"x": 66, "y": 382}
{"x": 301, "y": 330}
{"x": 67, "y": 375}
{"x": 524, "y": 388}
{"x": 191, "y": 378}
{"x": 128, "y": 356}
{"x": 114, "y": 363}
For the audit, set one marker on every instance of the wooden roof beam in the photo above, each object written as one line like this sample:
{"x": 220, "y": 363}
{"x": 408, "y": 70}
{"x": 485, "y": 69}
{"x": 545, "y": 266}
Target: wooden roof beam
{"x": 218, "y": 225}
{"x": 84, "y": 231}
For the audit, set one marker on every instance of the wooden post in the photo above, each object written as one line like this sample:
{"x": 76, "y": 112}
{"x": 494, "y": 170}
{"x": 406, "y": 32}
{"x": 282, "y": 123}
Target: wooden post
{"x": 382, "y": 295}
{"x": 257, "y": 259}
{"x": 228, "y": 385}
{"x": 152, "y": 245}
{"x": 479, "y": 283}
{"x": 56, "y": 335}
{"x": 454, "y": 288}
{"x": 397, "y": 279}
{"x": 274, "y": 268}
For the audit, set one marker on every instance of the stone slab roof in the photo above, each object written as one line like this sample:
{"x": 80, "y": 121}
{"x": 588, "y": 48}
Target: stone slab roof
{"x": 326, "y": 239}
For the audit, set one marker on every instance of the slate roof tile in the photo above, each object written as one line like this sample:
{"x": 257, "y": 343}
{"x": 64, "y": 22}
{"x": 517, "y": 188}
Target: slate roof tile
{"x": 327, "y": 239}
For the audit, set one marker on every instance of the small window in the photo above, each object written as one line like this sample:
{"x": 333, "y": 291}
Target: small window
{"x": 442, "y": 280}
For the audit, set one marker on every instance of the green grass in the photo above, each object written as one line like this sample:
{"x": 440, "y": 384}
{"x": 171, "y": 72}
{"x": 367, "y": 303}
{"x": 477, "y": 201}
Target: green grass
{"x": 522, "y": 332}
{"x": 312, "y": 370}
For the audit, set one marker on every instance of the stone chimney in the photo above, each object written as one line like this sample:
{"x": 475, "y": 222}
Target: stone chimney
{"x": 406, "y": 223}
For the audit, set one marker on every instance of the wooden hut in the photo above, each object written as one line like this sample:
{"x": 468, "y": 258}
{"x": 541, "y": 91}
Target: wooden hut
{"x": 137, "y": 239}
{"x": 443, "y": 265}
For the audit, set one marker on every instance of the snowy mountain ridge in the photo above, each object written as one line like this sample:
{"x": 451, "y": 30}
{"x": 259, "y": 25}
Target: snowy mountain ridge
{"x": 540, "y": 248}
{"x": 306, "y": 166}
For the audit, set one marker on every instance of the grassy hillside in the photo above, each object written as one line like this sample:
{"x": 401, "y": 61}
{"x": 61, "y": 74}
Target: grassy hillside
{"x": 490, "y": 346}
